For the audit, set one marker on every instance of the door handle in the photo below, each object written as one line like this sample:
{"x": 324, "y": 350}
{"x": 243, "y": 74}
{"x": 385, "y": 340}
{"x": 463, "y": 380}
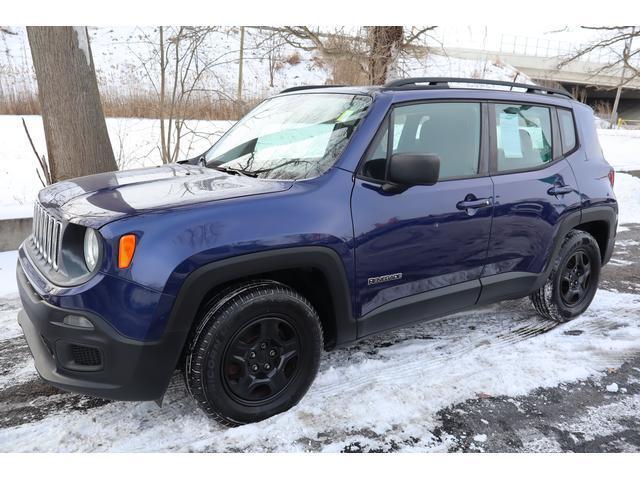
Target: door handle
{"x": 560, "y": 190}
{"x": 474, "y": 204}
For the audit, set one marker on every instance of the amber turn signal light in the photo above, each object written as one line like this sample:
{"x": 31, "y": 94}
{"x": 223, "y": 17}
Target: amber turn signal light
{"x": 126, "y": 250}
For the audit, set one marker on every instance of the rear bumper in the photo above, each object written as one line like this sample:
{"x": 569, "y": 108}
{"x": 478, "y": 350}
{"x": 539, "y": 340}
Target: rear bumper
{"x": 99, "y": 361}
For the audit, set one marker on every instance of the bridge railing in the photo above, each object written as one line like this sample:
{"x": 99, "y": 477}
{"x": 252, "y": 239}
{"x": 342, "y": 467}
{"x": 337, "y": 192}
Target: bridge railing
{"x": 527, "y": 46}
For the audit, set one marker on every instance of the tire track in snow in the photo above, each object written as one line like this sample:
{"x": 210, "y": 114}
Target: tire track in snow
{"x": 434, "y": 355}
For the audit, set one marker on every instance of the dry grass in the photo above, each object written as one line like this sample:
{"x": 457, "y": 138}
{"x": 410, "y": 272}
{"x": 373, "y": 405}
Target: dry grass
{"x": 137, "y": 105}
{"x": 346, "y": 69}
{"x": 19, "y": 104}
{"x": 294, "y": 59}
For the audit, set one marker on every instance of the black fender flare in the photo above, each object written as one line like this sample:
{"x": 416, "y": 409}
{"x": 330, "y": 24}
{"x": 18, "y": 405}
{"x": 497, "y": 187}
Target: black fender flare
{"x": 206, "y": 278}
{"x": 605, "y": 213}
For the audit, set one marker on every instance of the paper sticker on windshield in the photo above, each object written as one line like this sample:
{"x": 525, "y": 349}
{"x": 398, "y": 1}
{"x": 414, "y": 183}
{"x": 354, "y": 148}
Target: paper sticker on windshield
{"x": 344, "y": 116}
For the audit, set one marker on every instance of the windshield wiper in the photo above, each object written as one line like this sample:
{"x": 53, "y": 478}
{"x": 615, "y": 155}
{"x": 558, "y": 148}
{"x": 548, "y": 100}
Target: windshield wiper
{"x": 237, "y": 171}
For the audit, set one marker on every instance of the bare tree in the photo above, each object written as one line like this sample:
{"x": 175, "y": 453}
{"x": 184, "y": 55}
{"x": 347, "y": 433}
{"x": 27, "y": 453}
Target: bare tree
{"x": 373, "y": 49}
{"x": 617, "y": 43}
{"x": 74, "y": 125}
{"x": 179, "y": 66}
{"x": 384, "y": 43}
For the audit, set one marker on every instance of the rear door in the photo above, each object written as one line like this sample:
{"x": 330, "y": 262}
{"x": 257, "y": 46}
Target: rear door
{"x": 421, "y": 251}
{"x": 534, "y": 190}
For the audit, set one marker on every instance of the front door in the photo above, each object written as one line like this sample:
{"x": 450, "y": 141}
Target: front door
{"x": 421, "y": 252}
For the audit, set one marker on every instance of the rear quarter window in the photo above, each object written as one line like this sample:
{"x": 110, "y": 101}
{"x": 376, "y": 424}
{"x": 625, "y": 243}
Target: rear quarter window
{"x": 567, "y": 130}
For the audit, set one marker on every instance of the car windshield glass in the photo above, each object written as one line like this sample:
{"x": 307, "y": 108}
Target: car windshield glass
{"x": 290, "y": 137}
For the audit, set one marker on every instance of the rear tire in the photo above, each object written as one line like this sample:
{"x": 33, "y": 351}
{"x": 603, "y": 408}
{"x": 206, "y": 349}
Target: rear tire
{"x": 573, "y": 281}
{"x": 254, "y": 353}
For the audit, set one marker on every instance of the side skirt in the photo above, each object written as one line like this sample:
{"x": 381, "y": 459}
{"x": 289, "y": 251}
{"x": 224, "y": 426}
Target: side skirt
{"x": 446, "y": 300}
{"x": 420, "y": 307}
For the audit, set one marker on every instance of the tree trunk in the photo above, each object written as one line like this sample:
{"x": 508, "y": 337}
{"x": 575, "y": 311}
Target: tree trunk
{"x": 384, "y": 42}
{"x": 74, "y": 125}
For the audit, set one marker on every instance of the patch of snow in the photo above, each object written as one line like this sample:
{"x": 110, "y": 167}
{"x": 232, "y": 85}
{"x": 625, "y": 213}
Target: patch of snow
{"x": 613, "y": 388}
{"x": 9, "y": 327}
{"x": 24, "y": 372}
{"x": 135, "y": 144}
{"x": 83, "y": 42}
{"x": 16, "y": 211}
{"x": 627, "y": 190}
{"x": 481, "y": 438}
{"x": 621, "y": 148}
{"x": 8, "y": 282}
{"x": 605, "y": 420}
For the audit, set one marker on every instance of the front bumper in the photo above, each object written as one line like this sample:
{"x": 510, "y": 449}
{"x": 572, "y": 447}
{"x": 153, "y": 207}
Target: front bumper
{"x": 100, "y": 362}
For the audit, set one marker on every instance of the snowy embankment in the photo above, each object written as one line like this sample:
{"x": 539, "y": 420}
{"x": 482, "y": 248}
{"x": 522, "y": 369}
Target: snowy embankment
{"x": 135, "y": 144}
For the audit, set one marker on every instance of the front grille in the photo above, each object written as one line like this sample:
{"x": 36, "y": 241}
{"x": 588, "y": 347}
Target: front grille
{"x": 86, "y": 356}
{"x": 47, "y": 232}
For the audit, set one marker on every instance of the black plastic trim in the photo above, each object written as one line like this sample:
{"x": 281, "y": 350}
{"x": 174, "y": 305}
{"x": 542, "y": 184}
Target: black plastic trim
{"x": 130, "y": 369}
{"x": 207, "y": 278}
{"x": 420, "y": 307}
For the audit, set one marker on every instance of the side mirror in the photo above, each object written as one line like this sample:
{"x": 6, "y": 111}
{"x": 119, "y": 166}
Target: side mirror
{"x": 408, "y": 169}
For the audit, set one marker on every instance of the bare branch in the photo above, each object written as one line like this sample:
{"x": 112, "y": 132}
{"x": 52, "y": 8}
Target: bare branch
{"x": 41, "y": 160}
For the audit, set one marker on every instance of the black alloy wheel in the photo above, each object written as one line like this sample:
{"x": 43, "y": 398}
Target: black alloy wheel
{"x": 254, "y": 352}
{"x": 261, "y": 360}
{"x": 575, "y": 278}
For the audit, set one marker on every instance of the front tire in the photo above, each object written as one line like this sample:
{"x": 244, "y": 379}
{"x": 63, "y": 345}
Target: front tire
{"x": 254, "y": 353}
{"x": 573, "y": 281}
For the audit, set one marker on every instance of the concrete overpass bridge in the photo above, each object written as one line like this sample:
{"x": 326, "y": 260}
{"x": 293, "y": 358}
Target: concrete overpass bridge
{"x": 539, "y": 58}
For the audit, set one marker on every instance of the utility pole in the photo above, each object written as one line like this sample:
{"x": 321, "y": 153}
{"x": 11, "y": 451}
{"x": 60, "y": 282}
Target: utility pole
{"x": 239, "y": 96}
{"x": 625, "y": 55}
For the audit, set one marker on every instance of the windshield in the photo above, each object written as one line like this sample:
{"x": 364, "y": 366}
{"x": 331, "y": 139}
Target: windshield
{"x": 290, "y": 137}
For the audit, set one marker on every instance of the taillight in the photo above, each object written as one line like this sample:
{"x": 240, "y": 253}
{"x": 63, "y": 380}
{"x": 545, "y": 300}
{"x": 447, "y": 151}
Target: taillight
{"x": 612, "y": 177}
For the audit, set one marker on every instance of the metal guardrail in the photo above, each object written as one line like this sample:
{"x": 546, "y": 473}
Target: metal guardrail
{"x": 626, "y": 123}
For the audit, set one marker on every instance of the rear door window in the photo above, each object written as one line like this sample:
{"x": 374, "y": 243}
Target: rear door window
{"x": 523, "y": 136}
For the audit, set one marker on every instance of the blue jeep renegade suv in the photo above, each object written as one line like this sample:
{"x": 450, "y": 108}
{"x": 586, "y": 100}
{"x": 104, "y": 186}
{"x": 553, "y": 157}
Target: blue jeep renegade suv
{"x": 325, "y": 215}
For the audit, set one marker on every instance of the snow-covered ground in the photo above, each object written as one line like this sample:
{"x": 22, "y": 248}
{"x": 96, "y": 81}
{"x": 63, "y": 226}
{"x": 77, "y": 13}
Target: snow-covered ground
{"x": 382, "y": 392}
{"x": 621, "y": 148}
{"x": 8, "y": 284}
{"x": 135, "y": 144}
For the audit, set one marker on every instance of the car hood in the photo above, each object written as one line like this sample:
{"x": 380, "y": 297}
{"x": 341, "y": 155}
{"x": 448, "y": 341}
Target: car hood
{"x": 95, "y": 200}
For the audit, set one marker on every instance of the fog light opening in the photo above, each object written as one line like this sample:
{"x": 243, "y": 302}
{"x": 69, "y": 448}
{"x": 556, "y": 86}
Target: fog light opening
{"x": 77, "y": 321}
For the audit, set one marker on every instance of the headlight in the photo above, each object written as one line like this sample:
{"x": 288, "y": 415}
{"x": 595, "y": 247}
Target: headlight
{"x": 91, "y": 249}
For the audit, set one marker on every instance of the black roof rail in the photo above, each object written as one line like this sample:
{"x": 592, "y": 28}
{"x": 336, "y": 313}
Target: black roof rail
{"x": 443, "y": 82}
{"x": 308, "y": 87}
